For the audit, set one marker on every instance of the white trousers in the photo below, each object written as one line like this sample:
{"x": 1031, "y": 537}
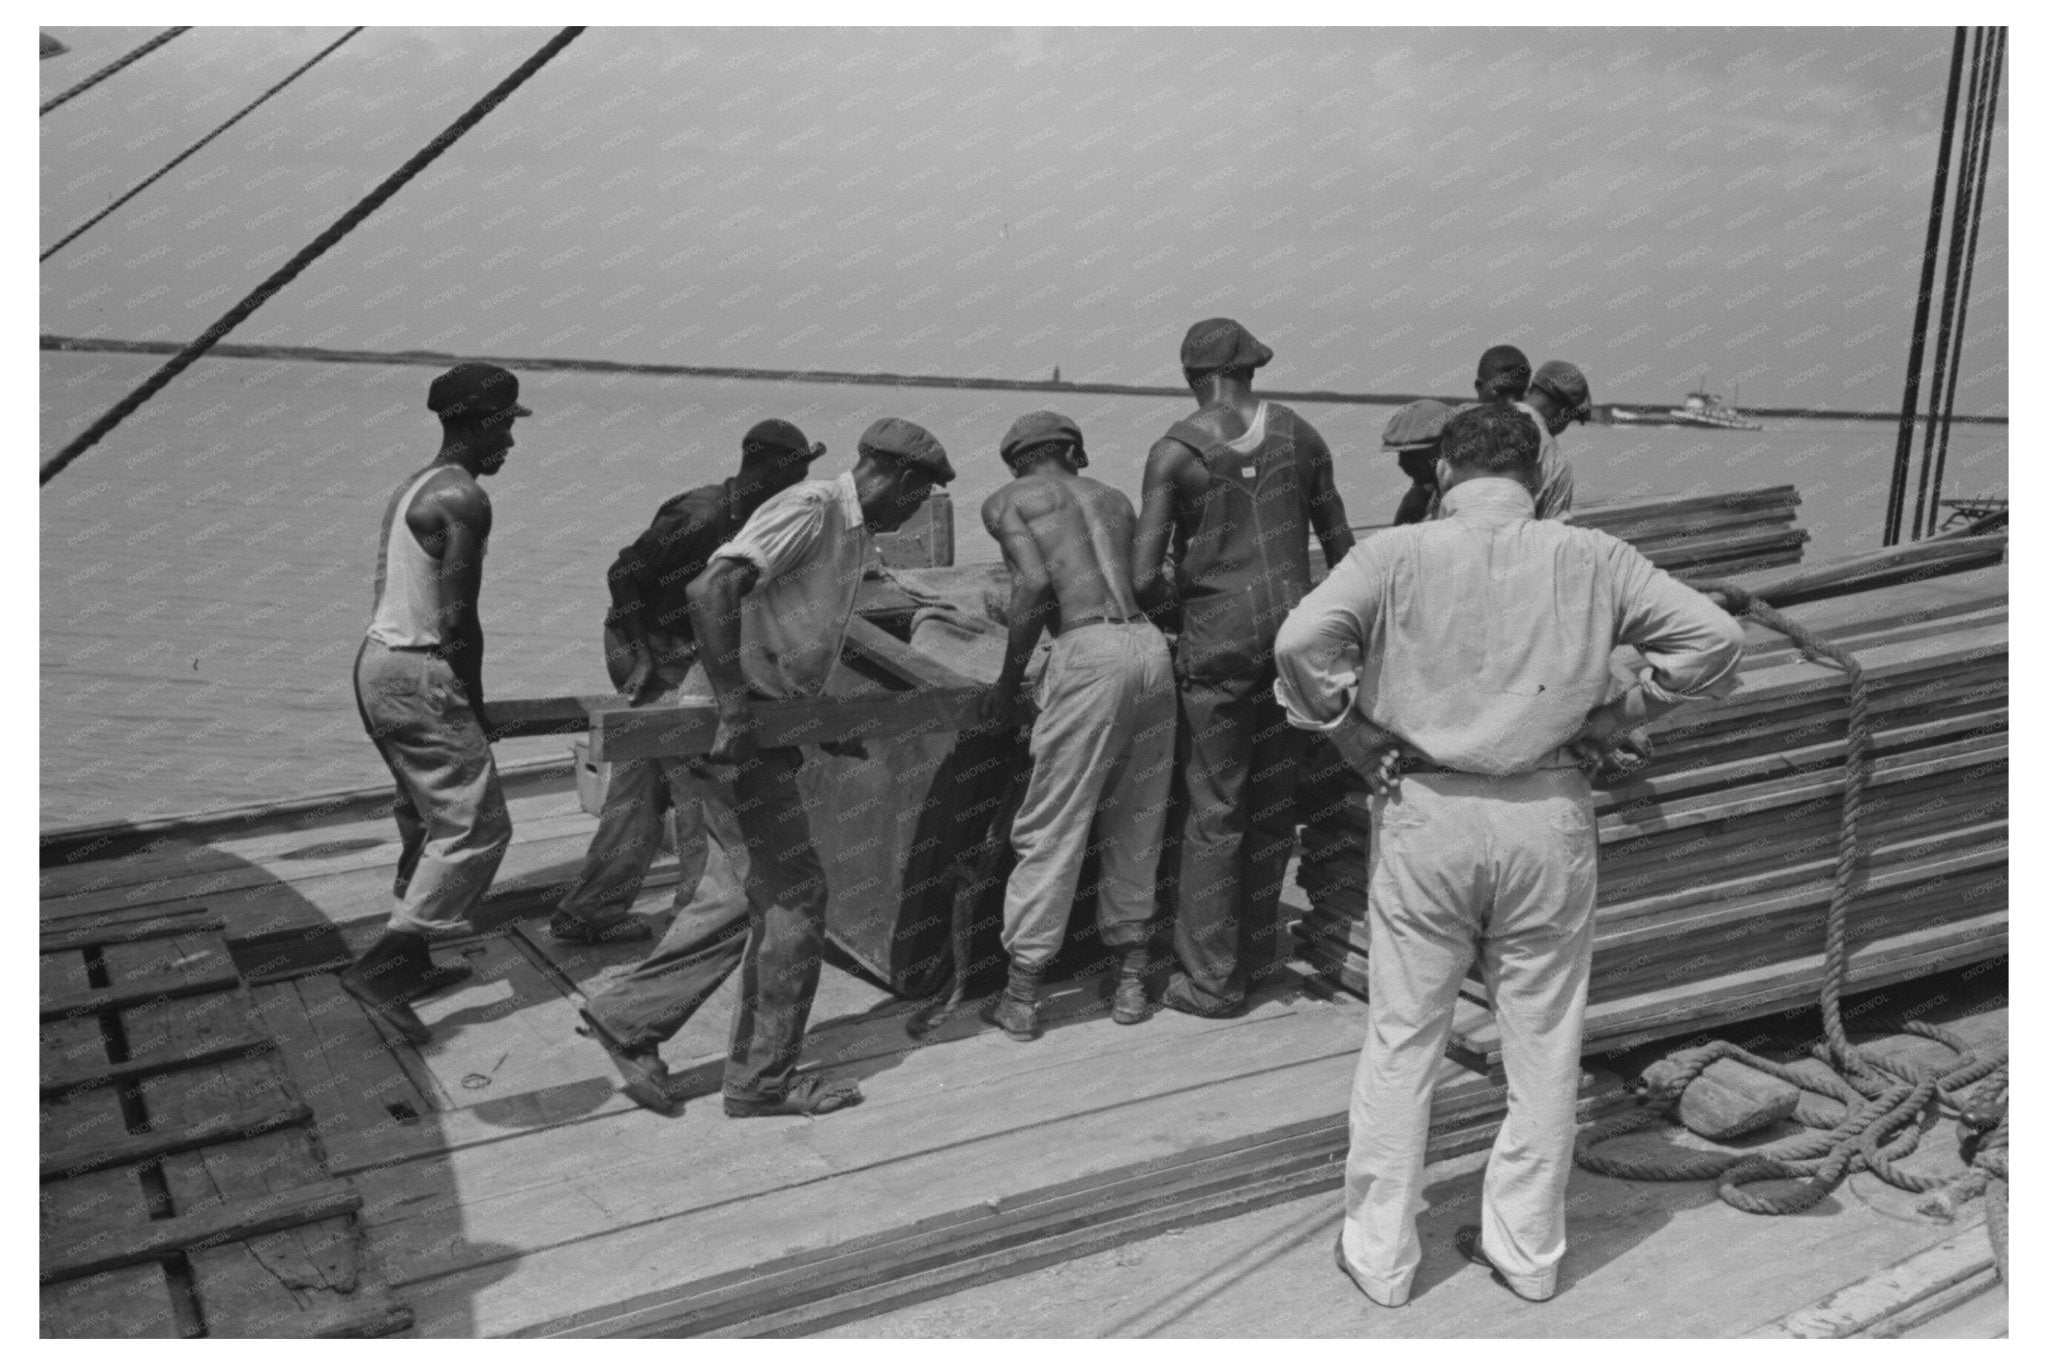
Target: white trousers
{"x": 1504, "y": 868}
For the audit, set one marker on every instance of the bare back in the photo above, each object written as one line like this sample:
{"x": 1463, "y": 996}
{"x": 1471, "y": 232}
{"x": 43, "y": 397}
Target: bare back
{"x": 1071, "y": 533}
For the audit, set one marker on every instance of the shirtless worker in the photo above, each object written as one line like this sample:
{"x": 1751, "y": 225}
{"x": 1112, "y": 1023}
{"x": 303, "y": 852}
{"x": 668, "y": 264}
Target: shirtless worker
{"x": 1101, "y": 747}
{"x": 649, "y": 646}
{"x": 1232, "y": 491}
{"x": 769, "y": 613}
{"x": 420, "y": 692}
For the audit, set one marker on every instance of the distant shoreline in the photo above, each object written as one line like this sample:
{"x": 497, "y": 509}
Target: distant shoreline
{"x": 443, "y": 359}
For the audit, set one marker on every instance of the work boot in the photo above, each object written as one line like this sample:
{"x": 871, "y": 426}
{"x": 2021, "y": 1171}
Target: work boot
{"x": 1180, "y": 994}
{"x": 394, "y": 971}
{"x": 1131, "y": 1006}
{"x": 645, "y": 1076}
{"x": 1015, "y": 1011}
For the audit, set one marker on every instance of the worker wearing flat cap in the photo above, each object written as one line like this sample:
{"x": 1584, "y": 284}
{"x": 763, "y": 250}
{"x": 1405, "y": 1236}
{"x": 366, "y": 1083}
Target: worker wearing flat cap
{"x": 1102, "y": 743}
{"x": 1415, "y": 433}
{"x": 769, "y": 615}
{"x": 419, "y": 682}
{"x": 1504, "y": 377}
{"x": 1232, "y": 491}
{"x": 649, "y": 646}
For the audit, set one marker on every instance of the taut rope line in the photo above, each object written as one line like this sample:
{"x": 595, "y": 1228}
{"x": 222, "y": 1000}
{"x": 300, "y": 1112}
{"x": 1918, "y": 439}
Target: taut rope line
{"x": 313, "y": 250}
{"x": 111, "y": 67}
{"x": 171, "y": 165}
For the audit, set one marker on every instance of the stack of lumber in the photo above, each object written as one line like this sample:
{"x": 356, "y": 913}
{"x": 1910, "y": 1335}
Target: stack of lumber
{"x": 1717, "y": 860}
{"x": 1706, "y": 536}
{"x": 1720, "y": 533}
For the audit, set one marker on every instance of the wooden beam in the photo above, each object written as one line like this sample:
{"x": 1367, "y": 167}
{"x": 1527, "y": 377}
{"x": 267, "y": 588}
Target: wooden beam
{"x": 103, "y": 930}
{"x": 142, "y": 1147}
{"x": 675, "y": 731}
{"x": 65, "y": 1081}
{"x": 227, "y": 1222}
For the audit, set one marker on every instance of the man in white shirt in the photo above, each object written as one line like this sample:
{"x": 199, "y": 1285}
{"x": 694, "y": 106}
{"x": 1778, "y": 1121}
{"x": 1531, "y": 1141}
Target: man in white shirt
{"x": 1477, "y": 647}
{"x": 770, "y": 613}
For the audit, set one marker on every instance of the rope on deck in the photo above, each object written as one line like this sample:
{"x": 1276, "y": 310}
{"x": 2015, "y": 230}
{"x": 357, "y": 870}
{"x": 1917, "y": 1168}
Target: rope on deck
{"x": 313, "y": 250}
{"x": 111, "y": 67}
{"x": 68, "y": 238}
{"x": 1886, "y": 1104}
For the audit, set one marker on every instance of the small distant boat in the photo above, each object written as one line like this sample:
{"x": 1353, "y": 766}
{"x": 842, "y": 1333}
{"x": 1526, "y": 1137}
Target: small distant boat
{"x": 1703, "y": 409}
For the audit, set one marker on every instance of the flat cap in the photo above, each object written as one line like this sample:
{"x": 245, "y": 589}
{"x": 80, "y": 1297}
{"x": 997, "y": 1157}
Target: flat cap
{"x": 475, "y": 390}
{"x": 775, "y": 434}
{"x": 1222, "y": 344}
{"x": 905, "y": 440}
{"x": 1037, "y": 428}
{"x": 1416, "y": 426}
{"x": 1566, "y": 383}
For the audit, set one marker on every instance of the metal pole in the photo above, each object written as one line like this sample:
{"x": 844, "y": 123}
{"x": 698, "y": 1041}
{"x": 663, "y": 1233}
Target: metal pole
{"x": 1990, "y": 122}
{"x": 1916, "y": 345}
{"x": 1952, "y": 277}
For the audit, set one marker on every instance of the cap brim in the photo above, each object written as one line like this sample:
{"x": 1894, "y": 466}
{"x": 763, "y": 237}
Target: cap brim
{"x": 520, "y": 410}
{"x": 1412, "y": 445}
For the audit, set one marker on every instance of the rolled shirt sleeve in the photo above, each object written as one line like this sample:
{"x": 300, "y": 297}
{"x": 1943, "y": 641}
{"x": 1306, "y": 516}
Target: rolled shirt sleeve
{"x": 782, "y": 535}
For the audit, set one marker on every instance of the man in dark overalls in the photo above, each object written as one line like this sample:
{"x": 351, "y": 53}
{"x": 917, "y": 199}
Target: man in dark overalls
{"x": 1232, "y": 491}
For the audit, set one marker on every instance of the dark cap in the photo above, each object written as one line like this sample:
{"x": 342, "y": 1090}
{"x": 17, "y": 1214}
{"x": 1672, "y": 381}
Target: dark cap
{"x": 777, "y": 435}
{"x": 910, "y": 443}
{"x": 1222, "y": 344}
{"x": 475, "y": 390}
{"x": 1416, "y": 426}
{"x": 1038, "y": 428}
{"x": 1566, "y": 383}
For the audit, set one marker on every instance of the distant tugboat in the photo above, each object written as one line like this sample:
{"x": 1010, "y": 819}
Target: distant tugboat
{"x": 1703, "y": 409}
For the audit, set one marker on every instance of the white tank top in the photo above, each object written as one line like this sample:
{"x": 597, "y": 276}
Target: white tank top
{"x": 408, "y": 610}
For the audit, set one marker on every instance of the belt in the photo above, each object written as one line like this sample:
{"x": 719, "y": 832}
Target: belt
{"x": 1100, "y": 618}
{"x": 1409, "y": 764}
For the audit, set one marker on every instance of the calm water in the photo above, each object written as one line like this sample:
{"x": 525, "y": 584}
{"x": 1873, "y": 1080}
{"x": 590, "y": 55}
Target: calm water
{"x": 206, "y": 571}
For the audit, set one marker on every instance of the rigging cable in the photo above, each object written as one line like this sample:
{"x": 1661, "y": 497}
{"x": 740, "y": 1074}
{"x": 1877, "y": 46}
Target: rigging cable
{"x": 1916, "y": 344}
{"x": 175, "y": 161}
{"x": 1990, "y": 122}
{"x": 313, "y": 250}
{"x": 111, "y": 67}
{"x": 1946, "y": 337}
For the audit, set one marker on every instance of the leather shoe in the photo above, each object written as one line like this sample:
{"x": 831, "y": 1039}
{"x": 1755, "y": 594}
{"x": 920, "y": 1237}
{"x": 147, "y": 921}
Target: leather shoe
{"x": 1466, "y": 1240}
{"x": 647, "y": 1082}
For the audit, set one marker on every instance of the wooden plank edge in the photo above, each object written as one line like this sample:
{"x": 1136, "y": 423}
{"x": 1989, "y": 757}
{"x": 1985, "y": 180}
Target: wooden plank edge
{"x": 147, "y": 1147}
{"x": 229, "y": 1221}
{"x": 108, "y": 931}
{"x": 67, "y": 1084}
{"x": 1862, "y": 1308}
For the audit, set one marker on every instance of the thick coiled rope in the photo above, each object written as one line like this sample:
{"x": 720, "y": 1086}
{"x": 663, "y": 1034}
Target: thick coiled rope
{"x": 1886, "y": 1105}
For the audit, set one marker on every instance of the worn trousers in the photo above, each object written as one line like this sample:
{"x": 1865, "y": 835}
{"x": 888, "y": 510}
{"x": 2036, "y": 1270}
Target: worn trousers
{"x": 629, "y": 837}
{"x": 763, "y": 912}
{"x": 1333, "y": 806}
{"x": 453, "y": 827}
{"x": 1101, "y": 769}
{"x": 1239, "y": 761}
{"x": 1504, "y": 868}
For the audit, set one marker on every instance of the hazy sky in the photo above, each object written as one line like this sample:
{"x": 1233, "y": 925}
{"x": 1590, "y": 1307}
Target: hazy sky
{"x": 1662, "y": 206}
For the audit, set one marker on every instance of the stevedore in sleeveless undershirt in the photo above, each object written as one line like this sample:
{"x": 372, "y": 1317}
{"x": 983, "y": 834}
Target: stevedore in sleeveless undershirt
{"x": 1232, "y": 493}
{"x": 770, "y": 613}
{"x": 420, "y": 692}
{"x": 1462, "y": 665}
{"x": 1102, "y": 743}
{"x": 649, "y": 647}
